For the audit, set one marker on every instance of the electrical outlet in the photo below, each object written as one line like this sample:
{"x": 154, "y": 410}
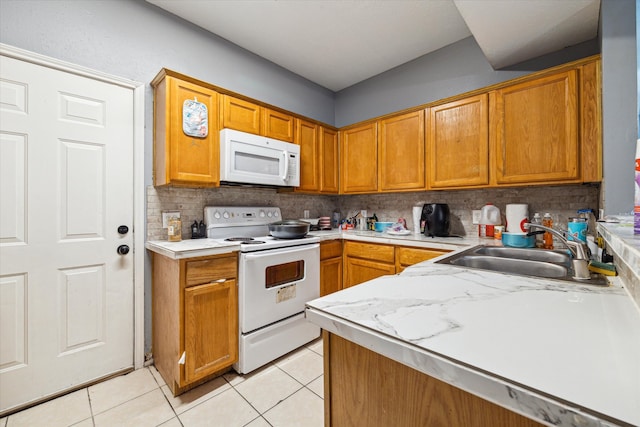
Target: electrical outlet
{"x": 168, "y": 214}
{"x": 475, "y": 215}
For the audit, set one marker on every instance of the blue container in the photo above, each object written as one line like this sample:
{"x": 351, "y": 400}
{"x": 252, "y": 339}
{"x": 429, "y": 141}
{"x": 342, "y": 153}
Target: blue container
{"x": 577, "y": 229}
{"x": 518, "y": 240}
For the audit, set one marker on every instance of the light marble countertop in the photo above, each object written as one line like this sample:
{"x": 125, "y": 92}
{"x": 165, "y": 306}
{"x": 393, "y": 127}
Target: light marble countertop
{"x": 561, "y": 353}
{"x": 188, "y": 248}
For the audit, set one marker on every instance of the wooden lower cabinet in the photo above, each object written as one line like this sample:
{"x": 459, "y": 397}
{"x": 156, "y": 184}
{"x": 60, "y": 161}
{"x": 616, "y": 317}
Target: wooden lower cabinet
{"x": 367, "y": 261}
{"x": 364, "y": 388}
{"x": 406, "y": 256}
{"x": 330, "y": 266}
{"x": 195, "y": 318}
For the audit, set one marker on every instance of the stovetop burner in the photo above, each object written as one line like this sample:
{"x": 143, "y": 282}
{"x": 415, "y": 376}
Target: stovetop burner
{"x": 244, "y": 240}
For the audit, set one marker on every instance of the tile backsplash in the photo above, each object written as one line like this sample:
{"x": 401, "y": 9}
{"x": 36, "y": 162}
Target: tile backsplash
{"x": 561, "y": 201}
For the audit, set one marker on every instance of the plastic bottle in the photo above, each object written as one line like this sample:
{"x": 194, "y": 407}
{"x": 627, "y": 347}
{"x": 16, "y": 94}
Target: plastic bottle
{"x": 547, "y": 238}
{"x": 537, "y": 219}
{"x": 489, "y": 218}
{"x": 195, "y": 231}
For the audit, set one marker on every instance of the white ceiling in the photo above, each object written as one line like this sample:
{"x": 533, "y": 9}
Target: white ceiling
{"x": 338, "y": 43}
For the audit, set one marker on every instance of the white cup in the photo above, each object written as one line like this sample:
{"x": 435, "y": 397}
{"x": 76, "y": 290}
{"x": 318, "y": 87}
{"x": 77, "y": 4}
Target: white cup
{"x": 517, "y": 215}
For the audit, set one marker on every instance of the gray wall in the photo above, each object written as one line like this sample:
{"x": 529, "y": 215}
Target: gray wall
{"x": 619, "y": 94}
{"x": 449, "y": 71}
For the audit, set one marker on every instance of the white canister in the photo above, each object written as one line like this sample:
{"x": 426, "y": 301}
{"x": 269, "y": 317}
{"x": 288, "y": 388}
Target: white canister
{"x": 417, "y": 214}
{"x": 517, "y": 214}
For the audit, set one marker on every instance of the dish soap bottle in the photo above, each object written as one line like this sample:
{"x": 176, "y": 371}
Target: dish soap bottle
{"x": 547, "y": 237}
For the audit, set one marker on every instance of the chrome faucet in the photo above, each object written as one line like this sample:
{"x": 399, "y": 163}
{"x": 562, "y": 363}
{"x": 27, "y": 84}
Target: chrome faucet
{"x": 579, "y": 251}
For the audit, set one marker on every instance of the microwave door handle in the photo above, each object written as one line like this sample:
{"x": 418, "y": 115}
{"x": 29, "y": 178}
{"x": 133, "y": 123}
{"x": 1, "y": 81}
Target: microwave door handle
{"x": 285, "y": 153}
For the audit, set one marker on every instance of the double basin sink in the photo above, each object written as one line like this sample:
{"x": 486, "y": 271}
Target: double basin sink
{"x": 523, "y": 262}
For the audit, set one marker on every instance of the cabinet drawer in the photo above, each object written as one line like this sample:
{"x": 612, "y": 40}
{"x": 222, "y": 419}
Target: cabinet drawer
{"x": 410, "y": 256}
{"x": 331, "y": 249}
{"x": 208, "y": 270}
{"x": 381, "y": 253}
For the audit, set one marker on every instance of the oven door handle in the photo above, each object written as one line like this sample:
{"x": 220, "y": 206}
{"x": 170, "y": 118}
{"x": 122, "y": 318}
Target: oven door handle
{"x": 271, "y": 252}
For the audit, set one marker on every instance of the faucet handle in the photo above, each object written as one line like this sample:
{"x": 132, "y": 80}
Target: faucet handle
{"x": 579, "y": 249}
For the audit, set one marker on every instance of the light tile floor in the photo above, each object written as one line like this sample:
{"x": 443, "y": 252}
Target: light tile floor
{"x": 285, "y": 393}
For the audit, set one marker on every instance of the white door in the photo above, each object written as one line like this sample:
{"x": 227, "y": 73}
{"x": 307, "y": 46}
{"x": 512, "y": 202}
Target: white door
{"x": 66, "y": 185}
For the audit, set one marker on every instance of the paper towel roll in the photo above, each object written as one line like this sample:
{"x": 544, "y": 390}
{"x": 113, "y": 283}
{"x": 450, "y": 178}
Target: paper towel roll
{"x": 417, "y": 213}
{"x": 517, "y": 214}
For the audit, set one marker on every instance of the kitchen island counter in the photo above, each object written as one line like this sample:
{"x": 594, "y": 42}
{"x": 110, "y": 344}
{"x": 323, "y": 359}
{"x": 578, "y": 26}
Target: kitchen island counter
{"x": 558, "y": 353}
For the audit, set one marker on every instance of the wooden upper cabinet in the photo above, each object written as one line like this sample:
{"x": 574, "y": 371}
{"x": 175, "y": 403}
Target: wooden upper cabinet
{"x": 401, "y": 151}
{"x": 181, "y": 159}
{"x": 591, "y": 122}
{"x": 240, "y": 115}
{"x": 359, "y": 159}
{"x": 535, "y": 126}
{"x": 275, "y": 124}
{"x": 328, "y": 163}
{"x": 458, "y": 143}
{"x": 307, "y": 139}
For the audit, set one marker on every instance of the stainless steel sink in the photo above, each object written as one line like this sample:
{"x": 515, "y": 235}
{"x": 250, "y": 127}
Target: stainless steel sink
{"x": 513, "y": 266}
{"x": 523, "y": 254}
{"x": 522, "y": 262}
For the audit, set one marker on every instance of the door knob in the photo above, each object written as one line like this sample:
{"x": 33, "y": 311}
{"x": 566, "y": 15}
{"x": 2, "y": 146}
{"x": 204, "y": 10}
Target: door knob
{"x": 123, "y": 229}
{"x": 123, "y": 249}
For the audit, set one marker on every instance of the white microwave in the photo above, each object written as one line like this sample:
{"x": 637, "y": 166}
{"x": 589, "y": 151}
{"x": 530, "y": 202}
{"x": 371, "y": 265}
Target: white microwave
{"x": 246, "y": 158}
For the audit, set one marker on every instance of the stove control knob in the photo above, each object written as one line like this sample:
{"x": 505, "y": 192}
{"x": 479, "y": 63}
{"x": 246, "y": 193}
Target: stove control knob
{"x": 225, "y": 215}
{"x": 216, "y": 215}
{"x": 261, "y": 214}
{"x": 269, "y": 214}
{"x": 275, "y": 213}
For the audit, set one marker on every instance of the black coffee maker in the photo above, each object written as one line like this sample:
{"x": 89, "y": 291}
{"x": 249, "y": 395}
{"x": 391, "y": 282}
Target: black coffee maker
{"x": 436, "y": 219}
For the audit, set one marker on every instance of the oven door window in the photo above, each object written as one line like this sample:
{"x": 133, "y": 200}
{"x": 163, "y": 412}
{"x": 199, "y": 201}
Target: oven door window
{"x": 281, "y": 274}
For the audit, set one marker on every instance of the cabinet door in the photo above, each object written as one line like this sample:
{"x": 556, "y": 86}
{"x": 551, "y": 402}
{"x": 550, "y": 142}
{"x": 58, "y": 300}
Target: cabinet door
{"x": 240, "y": 115}
{"x": 458, "y": 143}
{"x": 328, "y": 163}
{"x": 359, "y": 270}
{"x": 591, "y": 122}
{"x": 330, "y": 266}
{"x": 410, "y": 256}
{"x": 210, "y": 328}
{"x": 536, "y": 131}
{"x": 275, "y": 124}
{"x": 359, "y": 159}
{"x": 181, "y": 159}
{"x": 307, "y": 139}
{"x": 330, "y": 275}
{"x": 401, "y": 152}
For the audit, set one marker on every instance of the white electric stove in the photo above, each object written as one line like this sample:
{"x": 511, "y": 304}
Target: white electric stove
{"x": 276, "y": 278}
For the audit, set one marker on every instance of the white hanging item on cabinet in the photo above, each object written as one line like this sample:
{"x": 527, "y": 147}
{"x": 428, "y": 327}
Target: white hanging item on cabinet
{"x": 195, "y": 118}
